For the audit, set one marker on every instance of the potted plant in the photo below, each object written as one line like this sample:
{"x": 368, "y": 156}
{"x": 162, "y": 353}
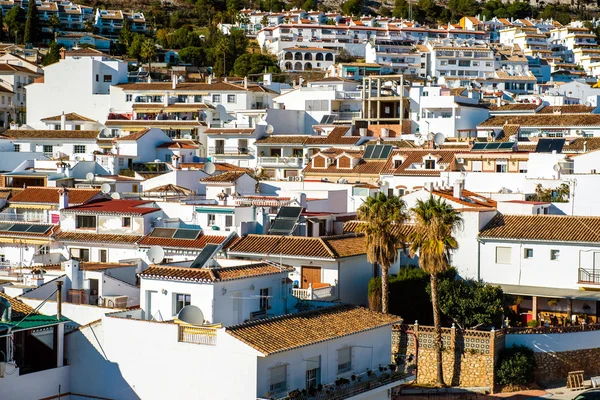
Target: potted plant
{"x": 586, "y": 307}
{"x": 294, "y": 394}
{"x": 393, "y": 367}
{"x": 369, "y": 372}
{"x": 553, "y": 302}
{"x": 353, "y": 377}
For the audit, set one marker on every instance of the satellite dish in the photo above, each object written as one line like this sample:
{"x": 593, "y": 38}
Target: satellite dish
{"x": 191, "y": 315}
{"x": 115, "y": 196}
{"x": 419, "y": 141}
{"x": 430, "y": 136}
{"x": 156, "y": 254}
{"x": 556, "y": 167}
{"x": 269, "y": 129}
{"x": 439, "y": 138}
{"x": 90, "y": 176}
{"x": 209, "y": 168}
{"x": 105, "y": 188}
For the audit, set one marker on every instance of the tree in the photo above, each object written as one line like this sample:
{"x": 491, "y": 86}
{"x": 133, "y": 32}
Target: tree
{"x": 53, "y": 54}
{"x": 32, "y": 26}
{"x": 15, "y": 20}
{"x": 400, "y": 9}
{"x": 461, "y": 8}
{"x": 248, "y": 64}
{"x": 193, "y": 55}
{"x": 470, "y": 303}
{"x": 383, "y": 218}
{"x": 432, "y": 240}
{"x": 126, "y": 36}
{"x": 352, "y": 7}
{"x": 54, "y": 22}
{"x": 222, "y": 50}
{"x": 254, "y": 46}
{"x": 147, "y": 52}
{"x": 89, "y": 25}
{"x": 134, "y": 49}
{"x": 264, "y": 21}
{"x": 1, "y": 27}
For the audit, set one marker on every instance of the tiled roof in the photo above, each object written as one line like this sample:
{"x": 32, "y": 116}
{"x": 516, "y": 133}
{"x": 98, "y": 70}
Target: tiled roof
{"x": 176, "y": 145}
{"x": 283, "y": 139}
{"x": 50, "y": 195}
{"x": 328, "y": 247}
{"x": 333, "y": 79}
{"x": 49, "y": 134}
{"x": 336, "y": 137}
{"x": 403, "y": 230}
{"x": 18, "y": 307}
{"x": 229, "y": 131}
{"x": 468, "y": 199}
{"x": 274, "y": 335}
{"x": 69, "y": 117}
{"x": 133, "y": 136}
{"x": 162, "y": 86}
{"x": 220, "y": 167}
{"x": 228, "y": 177}
{"x": 411, "y": 157}
{"x": 544, "y": 120}
{"x": 553, "y": 228}
{"x": 199, "y": 243}
{"x": 64, "y": 236}
{"x": 213, "y": 274}
{"x": 15, "y": 68}
{"x": 568, "y": 109}
{"x": 114, "y": 206}
{"x": 591, "y": 144}
{"x": 516, "y": 107}
{"x": 152, "y": 123}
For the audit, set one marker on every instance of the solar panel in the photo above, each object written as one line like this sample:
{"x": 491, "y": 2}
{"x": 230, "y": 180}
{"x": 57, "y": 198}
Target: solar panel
{"x": 377, "y": 151}
{"x": 207, "y": 252}
{"x": 19, "y": 228}
{"x": 387, "y": 149}
{"x": 186, "y": 234}
{"x": 39, "y": 228}
{"x": 507, "y": 145}
{"x": 369, "y": 151}
{"x": 328, "y": 119}
{"x": 289, "y": 212}
{"x": 163, "y": 232}
{"x": 5, "y": 227}
{"x": 549, "y": 145}
{"x": 478, "y": 146}
{"x": 283, "y": 225}
{"x": 493, "y": 146}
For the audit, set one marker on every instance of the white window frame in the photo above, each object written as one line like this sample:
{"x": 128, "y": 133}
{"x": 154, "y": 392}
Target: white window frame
{"x": 554, "y": 254}
{"x": 216, "y": 98}
{"x": 184, "y": 298}
{"x": 503, "y": 255}
{"x": 230, "y": 97}
{"x": 477, "y": 166}
{"x": 528, "y": 253}
{"x": 79, "y": 147}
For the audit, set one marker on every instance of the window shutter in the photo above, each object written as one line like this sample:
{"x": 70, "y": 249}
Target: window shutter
{"x": 503, "y": 255}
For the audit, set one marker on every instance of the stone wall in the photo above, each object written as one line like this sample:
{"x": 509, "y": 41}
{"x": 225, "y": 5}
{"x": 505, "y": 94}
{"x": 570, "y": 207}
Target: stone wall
{"x": 554, "y": 367}
{"x": 468, "y": 357}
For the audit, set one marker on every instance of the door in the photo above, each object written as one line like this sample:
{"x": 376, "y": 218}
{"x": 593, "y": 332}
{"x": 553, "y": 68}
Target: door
{"x": 310, "y": 275}
{"x": 219, "y": 147}
{"x": 94, "y": 286}
{"x": 152, "y": 298}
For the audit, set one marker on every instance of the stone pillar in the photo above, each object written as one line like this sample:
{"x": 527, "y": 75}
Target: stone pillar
{"x": 534, "y": 309}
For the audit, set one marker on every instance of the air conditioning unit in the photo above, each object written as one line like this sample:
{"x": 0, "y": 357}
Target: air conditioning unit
{"x": 291, "y": 178}
{"x": 114, "y": 301}
{"x": 460, "y": 160}
{"x": 299, "y": 178}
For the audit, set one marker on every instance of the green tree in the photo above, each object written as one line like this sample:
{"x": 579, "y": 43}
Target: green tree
{"x": 134, "y": 49}
{"x": 126, "y": 36}
{"x": 461, "y": 8}
{"x": 32, "y": 26}
{"x": 248, "y": 64}
{"x": 1, "y": 27}
{"x": 469, "y": 303}
{"x": 195, "y": 56}
{"x": 254, "y": 46}
{"x": 53, "y": 54}
{"x": 89, "y": 25}
{"x": 54, "y": 22}
{"x": 147, "y": 52}
{"x": 264, "y": 21}
{"x": 432, "y": 240}
{"x": 516, "y": 366}
{"x": 222, "y": 50}
{"x": 15, "y": 20}
{"x": 352, "y": 7}
{"x": 400, "y": 9}
{"x": 519, "y": 9}
{"x": 383, "y": 218}
{"x": 557, "y": 12}
{"x": 428, "y": 10}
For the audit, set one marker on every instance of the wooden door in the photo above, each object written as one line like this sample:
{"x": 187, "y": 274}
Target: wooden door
{"x": 310, "y": 275}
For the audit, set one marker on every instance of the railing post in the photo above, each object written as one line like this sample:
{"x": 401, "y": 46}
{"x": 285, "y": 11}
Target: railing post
{"x": 310, "y": 292}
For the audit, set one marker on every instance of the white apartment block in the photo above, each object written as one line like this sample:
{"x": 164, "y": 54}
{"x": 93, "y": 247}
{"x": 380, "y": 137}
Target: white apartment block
{"x": 461, "y": 61}
{"x": 399, "y": 57}
{"x": 306, "y": 59}
{"x": 110, "y": 22}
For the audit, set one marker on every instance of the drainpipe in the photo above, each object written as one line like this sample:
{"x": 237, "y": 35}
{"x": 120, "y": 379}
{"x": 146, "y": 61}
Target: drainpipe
{"x": 59, "y": 299}
{"x": 478, "y": 259}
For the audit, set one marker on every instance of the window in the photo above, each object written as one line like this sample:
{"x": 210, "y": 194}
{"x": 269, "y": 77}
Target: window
{"x": 523, "y": 167}
{"x": 528, "y": 253}
{"x": 554, "y": 255}
{"x": 216, "y": 98}
{"x": 502, "y": 166}
{"x": 47, "y": 149}
{"x": 429, "y": 164}
{"x": 135, "y": 188}
{"x": 476, "y": 166}
{"x": 344, "y": 363}
{"x": 265, "y": 304}
{"x": 114, "y": 132}
{"x": 107, "y": 78}
{"x": 80, "y": 254}
{"x": 228, "y": 220}
{"x": 126, "y": 222}
{"x": 197, "y": 98}
{"x": 231, "y": 98}
{"x": 103, "y": 255}
{"x": 121, "y": 162}
{"x": 181, "y": 300}
{"x": 397, "y": 163}
{"x": 128, "y": 97}
{"x": 97, "y": 78}
{"x": 503, "y": 255}
{"x": 390, "y": 192}
{"x": 313, "y": 372}
{"x": 211, "y": 219}
{"x": 278, "y": 379}
{"x": 86, "y": 221}
{"x": 17, "y": 148}
{"x": 78, "y": 148}
{"x": 43, "y": 250}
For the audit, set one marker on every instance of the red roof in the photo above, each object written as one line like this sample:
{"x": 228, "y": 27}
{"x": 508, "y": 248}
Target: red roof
{"x": 115, "y": 206}
{"x": 50, "y": 195}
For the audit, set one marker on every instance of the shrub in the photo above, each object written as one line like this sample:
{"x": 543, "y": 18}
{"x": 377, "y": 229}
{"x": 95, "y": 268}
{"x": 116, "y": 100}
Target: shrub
{"x": 515, "y": 366}
{"x": 532, "y": 324}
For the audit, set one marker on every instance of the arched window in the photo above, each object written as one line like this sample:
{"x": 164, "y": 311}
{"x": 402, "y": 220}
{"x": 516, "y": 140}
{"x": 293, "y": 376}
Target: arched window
{"x": 289, "y": 56}
{"x": 308, "y": 66}
{"x": 298, "y": 67}
{"x": 288, "y": 66}
{"x": 298, "y": 56}
{"x": 319, "y": 57}
{"x": 328, "y": 57}
{"x": 308, "y": 56}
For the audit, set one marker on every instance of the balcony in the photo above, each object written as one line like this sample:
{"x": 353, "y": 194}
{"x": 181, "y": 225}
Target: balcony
{"x": 325, "y": 293}
{"x": 198, "y": 335}
{"x": 353, "y": 94}
{"x": 346, "y": 115}
{"x": 231, "y": 151}
{"x": 297, "y": 162}
{"x": 25, "y": 217}
{"x": 589, "y": 276}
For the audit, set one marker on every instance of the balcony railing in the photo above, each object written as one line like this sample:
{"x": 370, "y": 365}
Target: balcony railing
{"x": 346, "y": 115}
{"x": 198, "y": 335}
{"x": 350, "y": 94}
{"x": 239, "y": 151}
{"x": 282, "y": 161}
{"x": 13, "y": 217}
{"x": 589, "y": 276}
{"x": 321, "y": 293}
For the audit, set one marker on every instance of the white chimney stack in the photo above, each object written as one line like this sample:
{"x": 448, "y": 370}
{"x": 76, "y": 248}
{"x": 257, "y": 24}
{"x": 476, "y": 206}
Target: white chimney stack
{"x": 63, "y": 198}
{"x": 174, "y": 82}
{"x": 245, "y": 82}
{"x": 458, "y": 188}
{"x": 63, "y": 121}
{"x": 60, "y": 167}
{"x": 175, "y": 161}
{"x": 429, "y": 186}
{"x": 74, "y": 273}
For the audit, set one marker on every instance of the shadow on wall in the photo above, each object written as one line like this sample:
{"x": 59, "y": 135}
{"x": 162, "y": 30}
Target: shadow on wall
{"x": 86, "y": 357}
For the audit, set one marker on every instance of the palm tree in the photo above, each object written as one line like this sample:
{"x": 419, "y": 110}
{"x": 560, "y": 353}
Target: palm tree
{"x": 147, "y": 52}
{"x": 433, "y": 241}
{"x": 223, "y": 48}
{"x": 54, "y": 22}
{"x": 382, "y": 216}
{"x": 254, "y": 46}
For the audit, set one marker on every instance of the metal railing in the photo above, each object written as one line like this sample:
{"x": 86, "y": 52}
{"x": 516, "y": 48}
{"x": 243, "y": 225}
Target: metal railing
{"x": 589, "y": 276}
{"x": 350, "y": 94}
{"x": 12, "y": 217}
{"x": 346, "y": 115}
{"x": 283, "y": 161}
{"x": 240, "y": 151}
{"x": 310, "y": 293}
{"x": 198, "y": 335}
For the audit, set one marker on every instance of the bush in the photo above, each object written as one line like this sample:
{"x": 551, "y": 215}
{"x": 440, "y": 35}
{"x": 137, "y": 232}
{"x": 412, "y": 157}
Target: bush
{"x": 532, "y": 324}
{"x": 515, "y": 366}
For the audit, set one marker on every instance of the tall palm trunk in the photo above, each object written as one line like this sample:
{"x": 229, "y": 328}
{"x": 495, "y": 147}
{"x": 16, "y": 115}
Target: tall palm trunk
{"x": 385, "y": 284}
{"x": 438, "y": 330}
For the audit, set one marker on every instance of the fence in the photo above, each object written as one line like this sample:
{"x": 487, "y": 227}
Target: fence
{"x": 198, "y": 335}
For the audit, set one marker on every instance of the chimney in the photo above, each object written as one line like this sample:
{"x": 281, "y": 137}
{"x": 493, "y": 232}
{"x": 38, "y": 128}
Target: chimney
{"x": 245, "y": 82}
{"x": 175, "y": 161}
{"x": 74, "y": 273}
{"x": 59, "y": 300}
{"x": 63, "y": 121}
{"x": 174, "y": 82}
{"x": 458, "y": 188}
{"x": 60, "y": 167}
{"x": 585, "y": 146}
{"x": 429, "y": 186}
{"x": 63, "y": 198}
{"x": 149, "y": 77}
{"x": 210, "y": 79}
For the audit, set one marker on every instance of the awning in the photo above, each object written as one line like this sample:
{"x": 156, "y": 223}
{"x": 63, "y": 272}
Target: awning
{"x": 214, "y": 210}
{"x": 34, "y": 206}
{"x": 16, "y": 241}
{"x": 538, "y": 291}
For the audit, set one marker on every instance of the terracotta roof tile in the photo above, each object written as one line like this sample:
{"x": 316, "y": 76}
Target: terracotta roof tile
{"x": 49, "y": 134}
{"x": 190, "y": 86}
{"x": 229, "y": 131}
{"x": 554, "y": 228}
{"x": 468, "y": 198}
{"x": 283, "y": 139}
{"x": 133, "y": 136}
{"x": 516, "y": 107}
{"x": 213, "y": 274}
{"x": 411, "y": 157}
{"x": 228, "y": 177}
{"x": 46, "y": 195}
{"x": 69, "y": 117}
{"x": 65, "y": 236}
{"x": 221, "y": 167}
{"x": 18, "y": 307}
{"x": 404, "y": 229}
{"x": 338, "y": 136}
{"x": 199, "y": 243}
{"x": 567, "y": 109}
{"x": 274, "y": 335}
{"x": 114, "y": 206}
{"x": 544, "y": 120}
{"x": 92, "y": 266}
